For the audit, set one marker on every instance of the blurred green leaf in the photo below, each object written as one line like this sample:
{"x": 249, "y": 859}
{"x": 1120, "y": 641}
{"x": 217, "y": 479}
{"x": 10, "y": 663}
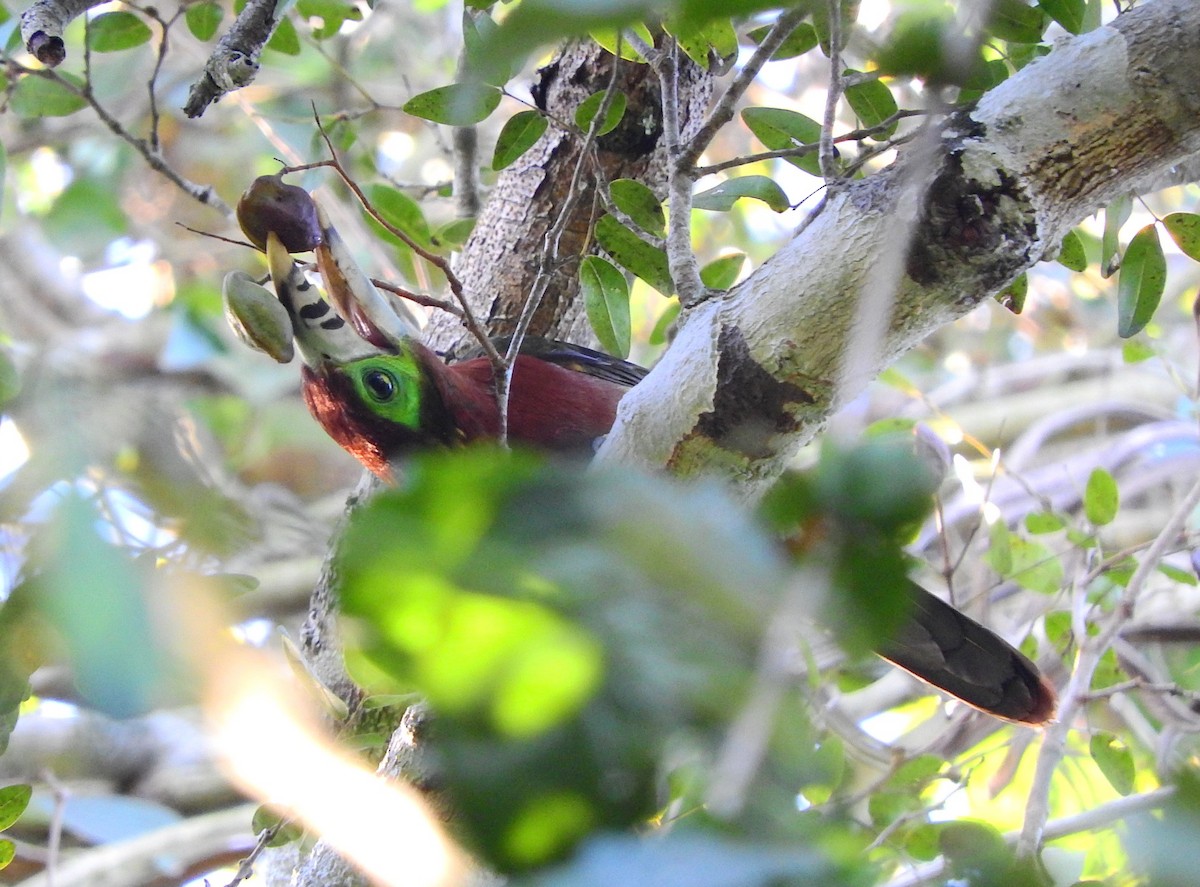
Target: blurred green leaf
{"x": 520, "y": 133}
{"x": 1013, "y": 296}
{"x": 85, "y": 218}
{"x": 722, "y": 197}
{"x": 114, "y": 31}
{"x": 13, "y": 801}
{"x": 722, "y": 273}
{"x": 8, "y": 852}
{"x": 629, "y": 251}
{"x": 1115, "y": 761}
{"x": 1184, "y": 229}
{"x": 1040, "y": 522}
{"x": 1115, "y": 215}
{"x": 332, "y": 14}
{"x": 203, "y": 19}
{"x": 662, "y": 326}
{"x": 1141, "y": 282}
{"x": 35, "y": 96}
{"x": 1034, "y": 566}
{"x": 698, "y": 39}
{"x": 400, "y": 211}
{"x": 606, "y": 300}
{"x": 458, "y": 104}
{"x": 1068, "y": 13}
{"x": 590, "y": 106}
{"x": 1101, "y": 499}
{"x": 801, "y": 40}
{"x": 285, "y": 40}
{"x": 1016, "y": 21}
{"x": 640, "y": 204}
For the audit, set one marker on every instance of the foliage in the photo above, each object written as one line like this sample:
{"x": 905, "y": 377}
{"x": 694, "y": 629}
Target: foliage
{"x": 599, "y": 646}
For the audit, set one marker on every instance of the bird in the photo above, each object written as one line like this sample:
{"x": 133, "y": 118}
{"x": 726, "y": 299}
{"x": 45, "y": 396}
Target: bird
{"x": 383, "y": 395}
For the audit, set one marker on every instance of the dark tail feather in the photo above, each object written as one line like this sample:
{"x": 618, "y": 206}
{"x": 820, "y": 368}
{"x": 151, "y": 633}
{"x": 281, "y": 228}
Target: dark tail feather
{"x": 942, "y": 646}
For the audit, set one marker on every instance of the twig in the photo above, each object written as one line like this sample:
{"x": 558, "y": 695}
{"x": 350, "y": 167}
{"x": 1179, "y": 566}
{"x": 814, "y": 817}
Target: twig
{"x": 723, "y": 110}
{"x": 833, "y": 95}
{"x": 234, "y": 62}
{"x": 685, "y": 269}
{"x": 1091, "y": 651}
{"x": 246, "y": 865}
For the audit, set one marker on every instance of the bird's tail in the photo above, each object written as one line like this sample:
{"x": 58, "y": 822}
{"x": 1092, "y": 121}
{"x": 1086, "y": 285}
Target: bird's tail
{"x": 954, "y": 653}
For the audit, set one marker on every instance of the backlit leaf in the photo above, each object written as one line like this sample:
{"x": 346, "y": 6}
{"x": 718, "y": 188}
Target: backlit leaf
{"x": 801, "y": 40}
{"x": 1013, "y": 296}
{"x": 723, "y": 196}
{"x": 1072, "y": 254}
{"x": 606, "y": 299}
{"x": 1068, "y": 13}
{"x": 1115, "y": 215}
{"x": 399, "y": 210}
{"x": 13, "y": 801}
{"x": 662, "y": 326}
{"x": 1101, "y": 498}
{"x": 1141, "y": 282}
{"x": 1114, "y": 759}
{"x": 285, "y": 40}
{"x": 519, "y": 134}
{"x": 722, "y": 273}
{"x": 1017, "y": 22}
{"x": 458, "y": 104}
{"x": 1184, "y": 229}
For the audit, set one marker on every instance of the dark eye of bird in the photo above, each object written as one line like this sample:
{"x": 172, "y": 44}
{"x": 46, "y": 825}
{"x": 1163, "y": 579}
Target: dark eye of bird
{"x": 381, "y": 385}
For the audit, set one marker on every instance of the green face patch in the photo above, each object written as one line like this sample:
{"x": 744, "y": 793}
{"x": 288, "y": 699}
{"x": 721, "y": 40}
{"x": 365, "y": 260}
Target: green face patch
{"x": 390, "y": 386}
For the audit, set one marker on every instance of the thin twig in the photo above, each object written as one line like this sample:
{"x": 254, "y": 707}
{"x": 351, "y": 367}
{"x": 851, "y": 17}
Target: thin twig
{"x": 1091, "y": 652}
{"x": 246, "y": 866}
{"x": 833, "y": 95}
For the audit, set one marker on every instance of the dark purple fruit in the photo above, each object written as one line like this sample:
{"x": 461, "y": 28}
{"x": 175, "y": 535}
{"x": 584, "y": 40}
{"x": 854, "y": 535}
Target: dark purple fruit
{"x": 270, "y": 204}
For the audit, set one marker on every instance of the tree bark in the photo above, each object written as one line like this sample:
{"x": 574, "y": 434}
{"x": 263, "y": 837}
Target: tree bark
{"x": 755, "y": 373}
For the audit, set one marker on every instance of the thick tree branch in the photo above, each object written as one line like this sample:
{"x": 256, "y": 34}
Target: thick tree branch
{"x": 42, "y": 26}
{"x": 752, "y": 376}
{"x": 234, "y": 63}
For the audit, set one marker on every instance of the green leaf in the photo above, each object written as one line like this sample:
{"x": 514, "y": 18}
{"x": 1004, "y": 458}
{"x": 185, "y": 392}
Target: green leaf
{"x": 114, "y": 31}
{"x": 1136, "y": 351}
{"x": 285, "y": 40}
{"x": 1101, "y": 499}
{"x": 591, "y": 105}
{"x": 874, "y": 103}
{"x": 640, "y": 204}
{"x": 801, "y": 40}
{"x": 8, "y": 852}
{"x": 1016, "y": 22}
{"x": 632, "y": 253}
{"x": 1013, "y": 296}
{"x": 479, "y": 31}
{"x": 999, "y": 555}
{"x": 458, "y": 104}
{"x": 606, "y": 299}
{"x": 1068, "y": 13}
{"x": 1141, "y": 282}
{"x": 662, "y": 326}
{"x": 722, "y": 273}
{"x": 1175, "y": 574}
{"x": 35, "y": 96}
{"x": 723, "y": 196}
{"x": 203, "y": 19}
{"x": 264, "y": 818}
{"x": 1184, "y": 229}
{"x": 401, "y": 211}
{"x": 454, "y": 234}
{"x": 1115, "y": 215}
{"x": 85, "y": 218}
{"x": 520, "y": 133}
{"x": 1034, "y": 566}
{"x": 1041, "y": 522}
{"x": 780, "y": 129}
{"x": 1115, "y": 761}
{"x": 13, "y": 801}
{"x": 1072, "y": 254}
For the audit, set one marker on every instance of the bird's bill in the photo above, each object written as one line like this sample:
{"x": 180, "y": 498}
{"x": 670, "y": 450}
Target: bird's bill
{"x": 352, "y": 319}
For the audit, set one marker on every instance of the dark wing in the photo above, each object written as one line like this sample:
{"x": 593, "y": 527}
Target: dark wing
{"x": 955, "y": 653}
{"x": 573, "y": 357}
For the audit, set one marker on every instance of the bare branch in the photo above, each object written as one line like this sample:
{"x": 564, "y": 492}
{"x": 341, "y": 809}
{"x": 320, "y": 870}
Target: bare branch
{"x": 234, "y": 63}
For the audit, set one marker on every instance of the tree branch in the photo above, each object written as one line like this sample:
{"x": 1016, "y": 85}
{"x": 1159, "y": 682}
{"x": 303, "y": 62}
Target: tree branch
{"x": 42, "y": 26}
{"x": 234, "y": 63}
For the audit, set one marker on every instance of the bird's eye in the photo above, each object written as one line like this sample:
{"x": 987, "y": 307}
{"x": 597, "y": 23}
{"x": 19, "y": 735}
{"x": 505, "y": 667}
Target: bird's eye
{"x": 380, "y": 384}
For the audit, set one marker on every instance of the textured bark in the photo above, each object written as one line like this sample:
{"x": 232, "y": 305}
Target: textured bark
{"x": 754, "y": 374}
{"x": 498, "y": 265}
